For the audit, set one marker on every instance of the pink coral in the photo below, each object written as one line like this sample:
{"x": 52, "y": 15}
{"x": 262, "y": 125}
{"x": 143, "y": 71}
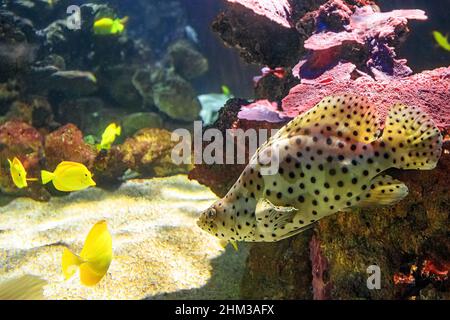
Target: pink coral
{"x": 429, "y": 90}
{"x": 365, "y": 24}
{"x": 261, "y": 110}
{"x": 275, "y": 10}
{"x": 365, "y": 37}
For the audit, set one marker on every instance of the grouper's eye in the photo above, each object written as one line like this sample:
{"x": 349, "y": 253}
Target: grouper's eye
{"x": 211, "y": 213}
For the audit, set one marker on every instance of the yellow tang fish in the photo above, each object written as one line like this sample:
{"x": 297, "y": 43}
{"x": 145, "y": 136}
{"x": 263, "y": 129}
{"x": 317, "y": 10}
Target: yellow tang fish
{"x": 19, "y": 174}
{"x": 26, "y": 287}
{"x": 327, "y": 160}
{"x": 108, "y": 26}
{"x": 69, "y": 176}
{"x": 441, "y": 40}
{"x": 94, "y": 259}
{"x": 109, "y": 135}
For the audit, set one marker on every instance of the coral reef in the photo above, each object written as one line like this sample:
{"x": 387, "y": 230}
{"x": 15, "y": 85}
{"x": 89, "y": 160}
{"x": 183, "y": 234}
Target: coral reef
{"x": 427, "y": 90}
{"x": 67, "y": 144}
{"x": 149, "y": 153}
{"x": 60, "y": 87}
{"x": 342, "y": 47}
{"x": 22, "y": 140}
{"x": 331, "y": 65}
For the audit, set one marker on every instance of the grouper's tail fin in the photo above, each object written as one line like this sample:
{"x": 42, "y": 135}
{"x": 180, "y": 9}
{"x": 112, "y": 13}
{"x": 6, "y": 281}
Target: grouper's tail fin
{"x": 412, "y": 138}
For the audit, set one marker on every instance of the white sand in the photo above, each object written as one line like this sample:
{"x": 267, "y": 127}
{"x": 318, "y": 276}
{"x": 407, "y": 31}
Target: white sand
{"x": 159, "y": 252}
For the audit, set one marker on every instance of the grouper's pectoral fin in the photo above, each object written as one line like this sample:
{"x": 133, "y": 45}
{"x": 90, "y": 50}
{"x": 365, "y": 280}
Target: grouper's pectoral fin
{"x": 272, "y": 218}
{"x": 383, "y": 190}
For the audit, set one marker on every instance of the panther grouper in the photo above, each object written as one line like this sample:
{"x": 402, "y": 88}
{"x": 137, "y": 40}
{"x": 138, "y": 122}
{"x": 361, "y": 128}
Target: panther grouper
{"x": 331, "y": 159}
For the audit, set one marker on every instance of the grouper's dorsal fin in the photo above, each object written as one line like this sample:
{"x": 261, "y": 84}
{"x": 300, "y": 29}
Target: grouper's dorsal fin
{"x": 346, "y": 116}
{"x": 273, "y": 217}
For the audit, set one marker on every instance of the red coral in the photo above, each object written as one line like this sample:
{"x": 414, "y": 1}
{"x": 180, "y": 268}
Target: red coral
{"x": 19, "y": 139}
{"x": 67, "y": 144}
{"x": 429, "y": 90}
{"x": 435, "y": 270}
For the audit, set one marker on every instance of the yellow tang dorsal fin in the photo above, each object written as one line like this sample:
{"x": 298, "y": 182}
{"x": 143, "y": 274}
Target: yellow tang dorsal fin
{"x": 346, "y": 116}
{"x": 64, "y": 165}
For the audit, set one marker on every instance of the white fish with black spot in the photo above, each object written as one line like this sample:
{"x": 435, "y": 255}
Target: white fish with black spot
{"x": 332, "y": 159}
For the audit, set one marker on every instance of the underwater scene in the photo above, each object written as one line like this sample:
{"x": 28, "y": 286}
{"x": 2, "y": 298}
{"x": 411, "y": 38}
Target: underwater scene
{"x": 224, "y": 150}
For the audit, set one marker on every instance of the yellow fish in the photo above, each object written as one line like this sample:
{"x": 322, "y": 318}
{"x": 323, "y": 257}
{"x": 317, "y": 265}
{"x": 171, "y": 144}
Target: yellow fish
{"x": 108, "y": 26}
{"x": 94, "y": 259}
{"x": 69, "y": 176}
{"x": 19, "y": 174}
{"x": 441, "y": 40}
{"x": 108, "y": 136}
{"x": 27, "y": 287}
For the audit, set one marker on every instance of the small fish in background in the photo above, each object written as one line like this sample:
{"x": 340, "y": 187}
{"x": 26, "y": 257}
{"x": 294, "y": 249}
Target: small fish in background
{"x": 69, "y": 176}
{"x": 441, "y": 40}
{"x": 226, "y": 91}
{"x": 191, "y": 34}
{"x": 94, "y": 259}
{"x": 26, "y": 287}
{"x": 330, "y": 159}
{"x": 108, "y": 26}
{"x": 19, "y": 174}
{"x": 109, "y": 136}
{"x": 211, "y": 104}
{"x": 279, "y": 72}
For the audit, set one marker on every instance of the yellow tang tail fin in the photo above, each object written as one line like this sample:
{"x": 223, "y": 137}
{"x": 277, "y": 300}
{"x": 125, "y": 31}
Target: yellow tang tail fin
{"x": 27, "y": 287}
{"x": 124, "y": 20}
{"x": 70, "y": 263}
{"x": 411, "y": 138}
{"x": 89, "y": 276}
{"x": 118, "y": 130}
{"x": 47, "y": 176}
{"x": 97, "y": 254}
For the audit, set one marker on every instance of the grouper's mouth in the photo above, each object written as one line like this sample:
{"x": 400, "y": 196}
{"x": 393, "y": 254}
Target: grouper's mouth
{"x": 207, "y": 226}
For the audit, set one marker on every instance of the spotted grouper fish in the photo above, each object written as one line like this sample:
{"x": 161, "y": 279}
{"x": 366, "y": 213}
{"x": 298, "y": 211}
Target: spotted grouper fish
{"x": 331, "y": 159}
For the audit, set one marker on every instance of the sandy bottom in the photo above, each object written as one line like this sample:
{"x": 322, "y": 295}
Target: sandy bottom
{"x": 159, "y": 252}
